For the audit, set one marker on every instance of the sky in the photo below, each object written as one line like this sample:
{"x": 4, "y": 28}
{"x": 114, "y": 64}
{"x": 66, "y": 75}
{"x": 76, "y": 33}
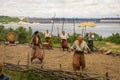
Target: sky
{"x": 61, "y": 8}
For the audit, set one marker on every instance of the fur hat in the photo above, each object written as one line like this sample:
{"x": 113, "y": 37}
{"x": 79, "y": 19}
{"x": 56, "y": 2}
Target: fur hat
{"x": 36, "y": 32}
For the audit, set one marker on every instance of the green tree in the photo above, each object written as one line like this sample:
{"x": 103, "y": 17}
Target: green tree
{"x": 22, "y": 34}
{"x": 114, "y": 38}
{"x": 2, "y": 33}
{"x": 29, "y": 32}
{"x": 7, "y": 19}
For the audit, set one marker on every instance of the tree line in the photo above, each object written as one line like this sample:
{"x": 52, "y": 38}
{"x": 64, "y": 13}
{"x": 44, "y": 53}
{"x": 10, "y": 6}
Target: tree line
{"x": 7, "y": 19}
{"x": 25, "y": 35}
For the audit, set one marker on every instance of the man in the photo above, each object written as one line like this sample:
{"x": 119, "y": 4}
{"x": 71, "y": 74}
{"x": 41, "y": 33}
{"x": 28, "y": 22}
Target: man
{"x": 2, "y": 76}
{"x": 64, "y": 37}
{"x": 36, "y": 40}
{"x": 79, "y": 59}
{"x": 90, "y": 41}
{"x": 48, "y": 38}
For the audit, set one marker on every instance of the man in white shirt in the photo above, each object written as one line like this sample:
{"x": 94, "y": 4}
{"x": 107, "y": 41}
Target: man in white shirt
{"x": 47, "y": 34}
{"x": 90, "y": 40}
{"x": 64, "y": 37}
{"x": 79, "y": 46}
{"x": 48, "y": 38}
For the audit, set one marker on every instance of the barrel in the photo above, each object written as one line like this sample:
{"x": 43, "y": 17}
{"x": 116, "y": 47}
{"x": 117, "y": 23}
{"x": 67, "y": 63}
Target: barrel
{"x": 11, "y": 37}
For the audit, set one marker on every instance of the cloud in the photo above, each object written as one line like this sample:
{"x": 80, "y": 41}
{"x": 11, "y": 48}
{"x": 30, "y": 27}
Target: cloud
{"x": 62, "y": 8}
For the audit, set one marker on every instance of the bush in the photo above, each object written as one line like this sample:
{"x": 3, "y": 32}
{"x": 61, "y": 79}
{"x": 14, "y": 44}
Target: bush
{"x": 2, "y": 33}
{"x": 22, "y": 34}
{"x": 115, "y": 38}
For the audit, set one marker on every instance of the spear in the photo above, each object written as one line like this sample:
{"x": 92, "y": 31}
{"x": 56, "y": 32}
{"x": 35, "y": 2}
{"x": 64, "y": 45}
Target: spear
{"x": 58, "y": 34}
{"x": 42, "y": 47}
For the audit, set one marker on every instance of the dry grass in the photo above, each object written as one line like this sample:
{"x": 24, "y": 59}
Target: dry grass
{"x": 95, "y": 63}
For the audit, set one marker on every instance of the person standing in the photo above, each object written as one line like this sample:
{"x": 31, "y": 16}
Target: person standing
{"x": 36, "y": 40}
{"x": 79, "y": 46}
{"x": 48, "y": 38}
{"x": 64, "y": 40}
{"x": 90, "y": 41}
{"x": 2, "y": 75}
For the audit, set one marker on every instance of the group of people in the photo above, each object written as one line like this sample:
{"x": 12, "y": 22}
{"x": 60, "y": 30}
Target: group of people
{"x": 79, "y": 46}
{"x": 64, "y": 39}
{"x": 37, "y": 43}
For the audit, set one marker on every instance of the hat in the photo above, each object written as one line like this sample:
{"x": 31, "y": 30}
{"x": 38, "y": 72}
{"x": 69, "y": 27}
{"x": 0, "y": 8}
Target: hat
{"x": 36, "y": 32}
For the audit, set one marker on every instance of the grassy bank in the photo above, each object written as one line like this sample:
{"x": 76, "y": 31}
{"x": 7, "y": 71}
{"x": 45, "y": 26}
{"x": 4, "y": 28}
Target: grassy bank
{"x": 115, "y": 48}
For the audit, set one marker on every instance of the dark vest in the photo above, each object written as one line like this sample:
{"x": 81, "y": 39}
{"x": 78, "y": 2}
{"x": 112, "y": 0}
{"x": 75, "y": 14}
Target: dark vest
{"x": 34, "y": 40}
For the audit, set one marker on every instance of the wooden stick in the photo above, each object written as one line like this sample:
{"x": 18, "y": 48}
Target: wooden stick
{"x": 60, "y": 66}
{"x": 62, "y": 25}
{"x": 46, "y": 72}
{"x": 4, "y": 54}
{"x": 83, "y": 32}
{"x": 28, "y": 60}
{"x": 107, "y": 76}
{"x": 18, "y": 62}
{"x": 74, "y": 28}
{"x": 53, "y": 24}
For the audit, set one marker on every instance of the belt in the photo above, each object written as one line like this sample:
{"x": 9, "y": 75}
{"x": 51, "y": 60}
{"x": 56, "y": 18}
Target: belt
{"x": 79, "y": 52}
{"x": 36, "y": 45}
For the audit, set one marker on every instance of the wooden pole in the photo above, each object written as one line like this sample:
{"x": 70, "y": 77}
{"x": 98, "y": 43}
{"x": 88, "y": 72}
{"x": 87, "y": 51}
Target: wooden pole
{"x": 58, "y": 30}
{"x": 85, "y": 31}
{"x": 28, "y": 60}
{"x": 4, "y": 54}
{"x": 107, "y": 76}
{"x": 62, "y": 25}
{"x": 60, "y": 67}
{"x": 59, "y": 41}
{"x": 74, "y": 28}
{"x": 82, "y": 32}
{"x": 18, "y": 62}
{"x": 53, "y": 21}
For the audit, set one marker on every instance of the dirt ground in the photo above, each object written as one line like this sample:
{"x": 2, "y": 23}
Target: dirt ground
{"x": 95, "y": 63}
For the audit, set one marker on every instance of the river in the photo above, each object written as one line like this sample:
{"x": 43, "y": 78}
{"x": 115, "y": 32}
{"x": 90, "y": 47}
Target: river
{"x": 103, "y": 29}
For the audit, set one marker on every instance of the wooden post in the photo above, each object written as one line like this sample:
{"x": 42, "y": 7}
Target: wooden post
{"x": 28, "y": 60}
{"x": 18, "y": 62}
{"x": 60, "y": 67}
{"x": 59, "y": 41}
{"x": 4, "y": 54}
{"x": 81, "y": 68}
{"x": 83, "y": 32}
{"x": 74, "y": 28}
{"x": 41, "y": 65}
{"x": 53, "y": 24}
{"x": 107, "y": 76}
{"x": 62, "y": 25}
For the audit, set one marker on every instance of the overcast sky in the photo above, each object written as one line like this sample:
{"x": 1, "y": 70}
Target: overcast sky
{"x": 62, "y": 8}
